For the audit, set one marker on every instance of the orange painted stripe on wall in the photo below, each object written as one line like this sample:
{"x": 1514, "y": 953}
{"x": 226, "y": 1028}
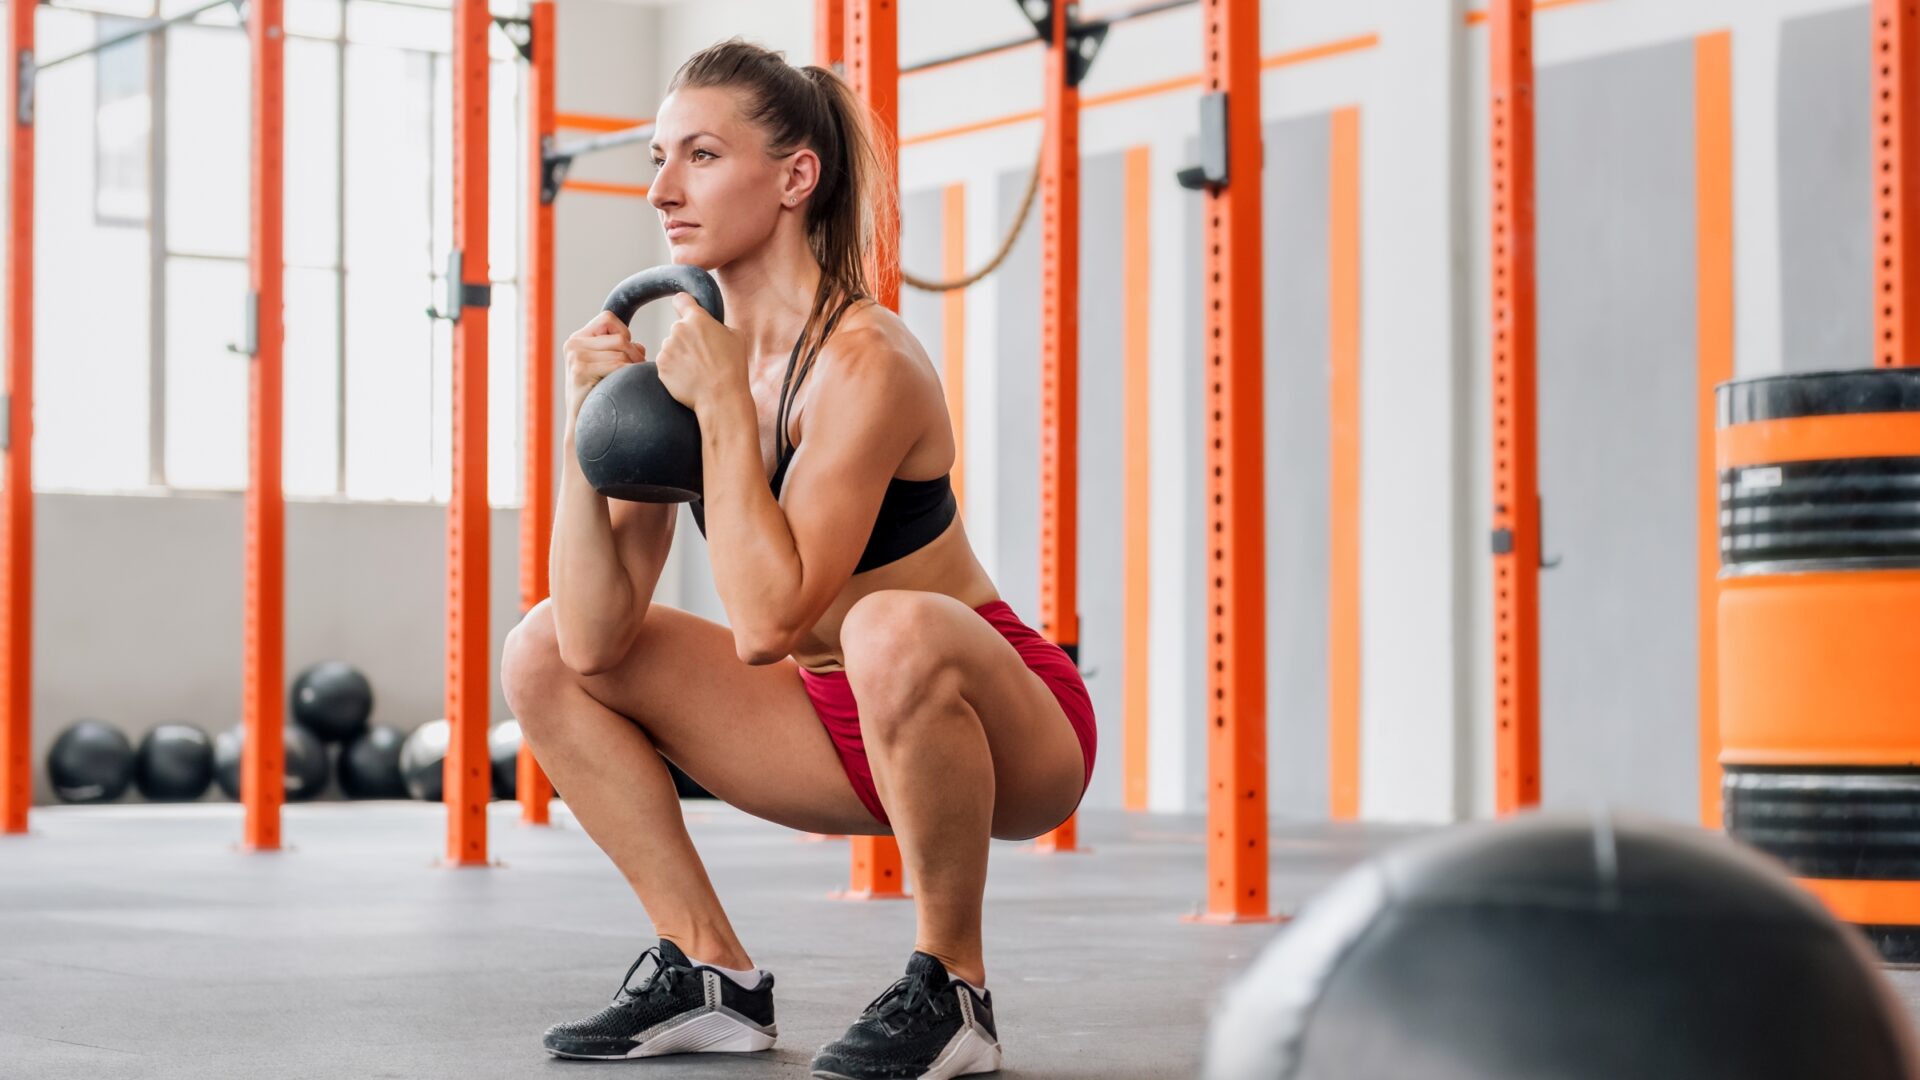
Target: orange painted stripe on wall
{"x": 1286, "y": 58}
{"x": 953, "y": 318}
{"x": 1135, "y": 305}
{"x": 1343, "y": 337}
{"x": 1713, "y": 217}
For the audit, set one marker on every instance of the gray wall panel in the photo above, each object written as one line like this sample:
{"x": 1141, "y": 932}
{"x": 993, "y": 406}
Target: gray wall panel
{"x": 1617, "y": 370}
{"x": 1826, "y": 190}
{"x": 1195, "y": 509}
{"x": 1297, "y": 396}
{"x": 922, "y": 248}
{"x": 1103, "y": 474}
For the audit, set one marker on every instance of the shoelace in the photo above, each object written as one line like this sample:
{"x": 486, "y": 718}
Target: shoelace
{"x": 662, "y": 978}
{"x": 909, "y": 999}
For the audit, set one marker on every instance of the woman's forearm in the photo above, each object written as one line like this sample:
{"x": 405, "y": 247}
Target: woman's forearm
{"x": 756, "y": 565}
{"x": 596, "y": 603}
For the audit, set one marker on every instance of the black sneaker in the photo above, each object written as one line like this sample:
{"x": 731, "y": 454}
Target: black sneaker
{"x": 676, "y": 1009}
{"x": 927, "y": 1026}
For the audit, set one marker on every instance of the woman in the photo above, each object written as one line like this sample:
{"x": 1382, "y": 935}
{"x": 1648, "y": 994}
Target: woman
{"x": 869, "y": 679}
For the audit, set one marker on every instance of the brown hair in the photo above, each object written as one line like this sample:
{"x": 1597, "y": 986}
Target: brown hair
{"x": 814, "y": 108}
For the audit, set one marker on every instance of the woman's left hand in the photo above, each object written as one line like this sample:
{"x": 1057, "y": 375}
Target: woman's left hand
{"x": 701, "y": 361}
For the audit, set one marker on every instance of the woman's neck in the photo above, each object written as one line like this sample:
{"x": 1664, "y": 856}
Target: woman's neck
{"x": 770, "y": 293}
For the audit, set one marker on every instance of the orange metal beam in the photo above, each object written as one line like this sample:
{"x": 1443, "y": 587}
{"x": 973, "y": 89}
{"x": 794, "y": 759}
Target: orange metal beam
{"x": 829, "y": 32}
{"x": 1060, "y": 367}
{"x": 1136, "y": 301}
{"x": 1475, "y": 18}
{"x": 1713, "y": 214}
{"x": 872, "y": 44}
{"x": 531, "y": 785}
{"x": 1896, "y": 190}
{"x": 573, "y": 121}
{"x": 1343, "y": 543}
{"x": 1516, "y": 503}
{"x": 1236, "y": 513}
{"x": 263, "y": 757}
{"x": 16, "y": 511}
{"x": 467, "y": 775}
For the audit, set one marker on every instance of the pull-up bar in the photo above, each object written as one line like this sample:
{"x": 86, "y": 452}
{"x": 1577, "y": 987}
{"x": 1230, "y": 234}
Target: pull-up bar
{"x": 142, "y": 30}
{"x": 556, "y": 160}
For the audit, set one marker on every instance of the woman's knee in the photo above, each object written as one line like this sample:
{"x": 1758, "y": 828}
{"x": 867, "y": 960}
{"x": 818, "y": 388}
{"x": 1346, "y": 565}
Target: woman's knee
{"x": 897, "y": 654}
{"x": 530, "y": 665}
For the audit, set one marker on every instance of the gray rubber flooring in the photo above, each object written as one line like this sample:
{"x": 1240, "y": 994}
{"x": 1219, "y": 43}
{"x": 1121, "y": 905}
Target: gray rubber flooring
{"x": 136, "y": 942}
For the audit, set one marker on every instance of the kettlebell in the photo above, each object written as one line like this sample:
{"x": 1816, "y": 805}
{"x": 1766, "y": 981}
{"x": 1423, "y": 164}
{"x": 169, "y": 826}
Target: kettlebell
{"x": 633, "y": 440}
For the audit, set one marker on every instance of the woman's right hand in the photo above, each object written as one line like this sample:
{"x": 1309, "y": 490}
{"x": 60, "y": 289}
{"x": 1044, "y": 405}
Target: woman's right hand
{"x": 597, "y": 350}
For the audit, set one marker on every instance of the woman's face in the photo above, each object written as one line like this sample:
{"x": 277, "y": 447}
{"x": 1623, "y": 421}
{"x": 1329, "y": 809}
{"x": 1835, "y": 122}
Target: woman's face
{"x": 718, "y": 191}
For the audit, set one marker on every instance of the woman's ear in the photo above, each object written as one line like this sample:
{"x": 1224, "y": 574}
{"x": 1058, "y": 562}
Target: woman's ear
{"x": 802, "y": 176}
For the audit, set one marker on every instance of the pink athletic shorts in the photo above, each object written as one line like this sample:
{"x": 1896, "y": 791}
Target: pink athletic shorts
{"x": 833, "y": 700}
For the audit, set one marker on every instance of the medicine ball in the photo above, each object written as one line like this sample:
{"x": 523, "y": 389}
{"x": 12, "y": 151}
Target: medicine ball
{"x": 304, "y": 769}
{"x": 423, "y": 760}
{"x": 369, "y": 765}
{"x": 503, "y": 746}
{"x": 174, "y": 763}
{"x": 1576, "y": 948}
{"x": 90, "y": 762}
{"x": 332, "y": 699}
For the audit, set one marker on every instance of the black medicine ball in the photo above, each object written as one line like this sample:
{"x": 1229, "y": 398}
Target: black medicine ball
{"x": 90, "y": 762}
{"x": 369, "y": 765}
{"x": 333, "y": 700}
{"x": 305, "y": 767}
{"x": 174, "y": 763}
{"x": 1567, "y": 947}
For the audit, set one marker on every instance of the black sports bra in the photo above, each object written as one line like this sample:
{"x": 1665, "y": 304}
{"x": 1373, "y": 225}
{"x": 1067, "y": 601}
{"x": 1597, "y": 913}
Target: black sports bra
{"x": 913, "y": 513}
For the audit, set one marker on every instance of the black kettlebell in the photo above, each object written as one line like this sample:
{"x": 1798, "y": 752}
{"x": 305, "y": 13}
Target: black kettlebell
{"x": 634, "y": 441}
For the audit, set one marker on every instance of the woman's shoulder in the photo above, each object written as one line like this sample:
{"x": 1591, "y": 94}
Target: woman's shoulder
{"x": 873, "y": 339}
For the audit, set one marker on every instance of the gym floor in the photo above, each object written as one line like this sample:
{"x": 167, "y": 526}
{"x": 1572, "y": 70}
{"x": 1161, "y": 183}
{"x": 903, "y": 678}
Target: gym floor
{"x": 136, "y": 942}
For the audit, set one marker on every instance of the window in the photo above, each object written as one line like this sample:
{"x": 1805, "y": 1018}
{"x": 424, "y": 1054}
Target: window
{"x": 122, "y": 125}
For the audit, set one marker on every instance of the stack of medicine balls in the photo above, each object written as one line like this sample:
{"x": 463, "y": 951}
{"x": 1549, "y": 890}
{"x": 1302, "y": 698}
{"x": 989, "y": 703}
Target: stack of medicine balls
{"x": 329, "y": 732}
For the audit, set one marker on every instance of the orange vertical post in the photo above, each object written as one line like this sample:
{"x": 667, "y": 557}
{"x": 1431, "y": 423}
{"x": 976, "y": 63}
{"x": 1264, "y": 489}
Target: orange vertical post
{"x": 829, "y": 32}
{"x": 536, "y": 512}
{"x": 1060, "y": 363}
{"x": 16, "y": 510}
{"x": 1896, "y": 188}
{"x": 1343, "y": 542}
{"x": 1136, "y": 302}
{"x": 468, "y": 771}
{"x": 953, "y": 320}
{"x": 1236, "y": 513}
{"x": 872, "y": 44}
{"x": 1713, "y": 214}
{"x": 1516, "y": 500}
{"x": 263, "y": 758}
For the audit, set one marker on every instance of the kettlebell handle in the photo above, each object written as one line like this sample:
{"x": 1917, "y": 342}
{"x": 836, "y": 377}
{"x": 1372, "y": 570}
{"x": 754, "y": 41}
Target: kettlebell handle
{"x": 645, "y": 287}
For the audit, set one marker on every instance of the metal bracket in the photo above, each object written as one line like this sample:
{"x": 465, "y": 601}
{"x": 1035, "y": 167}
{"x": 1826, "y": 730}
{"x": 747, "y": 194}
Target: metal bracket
{"x": 1083, "y": 42}
{"x": 6, "y": 423}
{"x": 460, "y": 294}
{"x": 553, "y": 170}
{"x": 1211, "y": 173}
{"x": 519, "y": 31}
{"x": 1503, "y": 539}
{"x": 250, "y": 336}
{"x": 23, "y": 92}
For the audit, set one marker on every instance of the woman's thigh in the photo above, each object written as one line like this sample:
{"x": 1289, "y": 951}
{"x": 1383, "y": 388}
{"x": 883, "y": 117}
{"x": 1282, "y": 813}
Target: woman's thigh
{"x": 748, "y": 734}
{"x": 909, "y": 638}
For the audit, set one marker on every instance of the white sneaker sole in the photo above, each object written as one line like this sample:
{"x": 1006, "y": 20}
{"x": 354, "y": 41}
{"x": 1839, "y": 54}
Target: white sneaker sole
{"x": 707, "y": 1033}
{"x": 968, "y": 1054}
